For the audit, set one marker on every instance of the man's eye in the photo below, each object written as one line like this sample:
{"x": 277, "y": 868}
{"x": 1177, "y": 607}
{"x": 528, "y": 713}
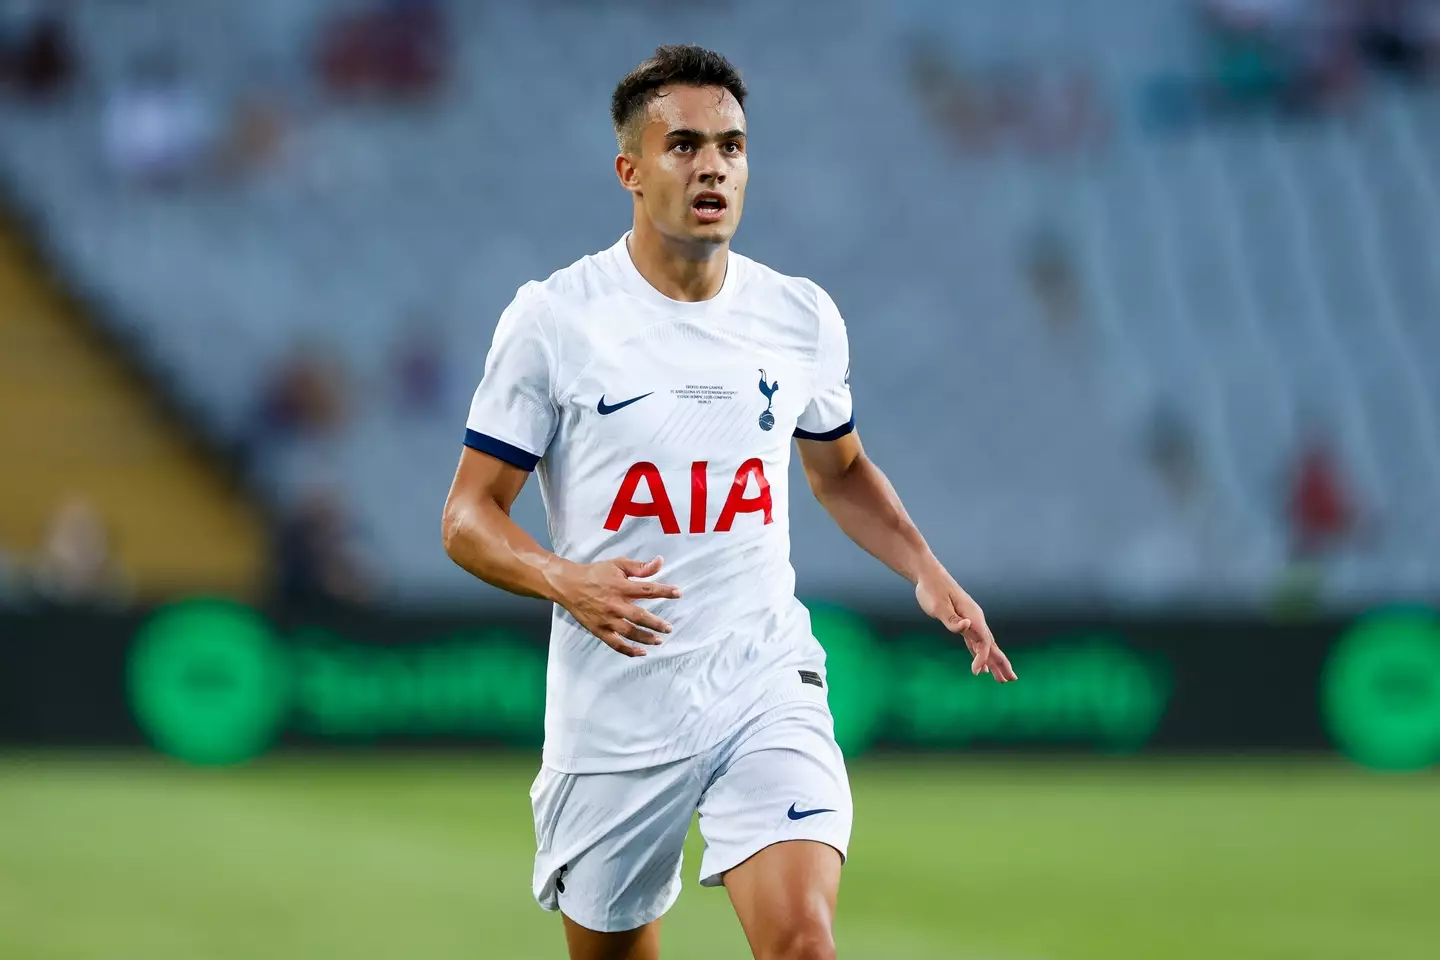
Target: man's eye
{"x": 684, "y": 147}
{"x": 732, "y": 147}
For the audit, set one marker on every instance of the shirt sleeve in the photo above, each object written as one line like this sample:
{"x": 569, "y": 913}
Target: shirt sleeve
{"x": 513, "y": 415}
{"x": 829, "y": 415}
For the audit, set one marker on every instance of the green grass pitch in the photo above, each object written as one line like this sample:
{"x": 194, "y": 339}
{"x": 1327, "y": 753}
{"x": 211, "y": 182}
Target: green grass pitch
{"x": 114, "y": 858}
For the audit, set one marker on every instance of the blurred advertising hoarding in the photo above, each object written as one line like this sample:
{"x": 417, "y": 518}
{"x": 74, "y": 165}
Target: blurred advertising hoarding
{"x": 210, "y": 681}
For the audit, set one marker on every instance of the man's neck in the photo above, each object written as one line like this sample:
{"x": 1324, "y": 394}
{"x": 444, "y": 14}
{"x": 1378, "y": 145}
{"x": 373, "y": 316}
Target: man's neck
{"x": 686, "y": 272}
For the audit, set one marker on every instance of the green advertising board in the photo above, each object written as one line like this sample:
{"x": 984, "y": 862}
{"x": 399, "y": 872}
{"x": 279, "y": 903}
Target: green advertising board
{"x": 1381, "y": 689}
{"x": 209, "y": 682}
{"x": 214, "y": 682}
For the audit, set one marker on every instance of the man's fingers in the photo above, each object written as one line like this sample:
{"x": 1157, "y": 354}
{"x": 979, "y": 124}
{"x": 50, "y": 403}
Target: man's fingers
{"x": 982, "y": 644}
{"x": 981, "y": 631}
{"x": 620, "y": 645}
{"x": 637, "y": 568}
{"x": 988, "y": 655}
{"x": 632, "y": 632}
{"x": 980, "y": 651}
{"x": 977, "y": 665}
{"x": 1000, "y": 666}
{"x": 631, "y": 629}
{"x": 644, "y": 618}
{"x": 649, "y": 589}
{"x": 956, "y": 623}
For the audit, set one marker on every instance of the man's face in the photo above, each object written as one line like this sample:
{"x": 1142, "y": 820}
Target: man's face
{"x": 690, "y": 171}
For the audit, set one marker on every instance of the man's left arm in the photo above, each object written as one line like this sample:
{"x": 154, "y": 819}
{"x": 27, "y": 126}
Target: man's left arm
{"x": 854, "y": 491}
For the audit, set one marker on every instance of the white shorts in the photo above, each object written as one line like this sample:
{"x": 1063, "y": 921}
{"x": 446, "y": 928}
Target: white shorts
{"x": 610, "y": 843}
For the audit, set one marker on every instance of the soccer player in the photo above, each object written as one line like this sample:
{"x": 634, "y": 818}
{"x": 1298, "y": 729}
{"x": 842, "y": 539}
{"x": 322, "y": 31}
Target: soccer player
{"x": 656, "y": 386}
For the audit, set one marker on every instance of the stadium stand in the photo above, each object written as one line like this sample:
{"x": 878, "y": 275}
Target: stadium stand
{"x": 80, "y": 436}
{"x": 1089, "y": 360}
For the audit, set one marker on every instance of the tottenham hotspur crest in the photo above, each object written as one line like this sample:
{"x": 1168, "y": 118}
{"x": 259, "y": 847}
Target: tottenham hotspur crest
{"x": 767, "y": 419}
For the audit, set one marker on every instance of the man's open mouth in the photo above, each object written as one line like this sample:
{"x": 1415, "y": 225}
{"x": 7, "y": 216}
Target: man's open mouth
{"x": 709, "y": 206}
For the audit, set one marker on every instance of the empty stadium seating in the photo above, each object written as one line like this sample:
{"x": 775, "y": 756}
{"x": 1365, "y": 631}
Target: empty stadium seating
{"x": 1266, "y": 278}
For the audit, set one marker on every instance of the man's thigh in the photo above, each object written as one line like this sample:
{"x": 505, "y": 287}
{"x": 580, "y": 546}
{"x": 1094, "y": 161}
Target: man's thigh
{"x": 785, "y": 899}
{"x": 609, "y": 848}
{"x": 585, "y": 944}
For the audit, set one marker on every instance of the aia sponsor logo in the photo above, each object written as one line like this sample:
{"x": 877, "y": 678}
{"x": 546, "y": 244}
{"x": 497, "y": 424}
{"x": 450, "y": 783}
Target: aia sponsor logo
{"x": 749, "y": 492}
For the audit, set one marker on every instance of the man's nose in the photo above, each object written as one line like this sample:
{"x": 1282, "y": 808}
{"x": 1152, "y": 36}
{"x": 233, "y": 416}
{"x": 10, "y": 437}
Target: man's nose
{"x": 711, "y": 170}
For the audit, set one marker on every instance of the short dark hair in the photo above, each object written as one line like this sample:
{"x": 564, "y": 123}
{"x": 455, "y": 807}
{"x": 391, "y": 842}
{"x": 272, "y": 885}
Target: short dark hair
{"x": 674, "y": 63}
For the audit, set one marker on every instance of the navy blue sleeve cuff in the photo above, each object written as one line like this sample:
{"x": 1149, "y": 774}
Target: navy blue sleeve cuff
{"x": 501, "y": 450}
{"x": 835, "y": 434}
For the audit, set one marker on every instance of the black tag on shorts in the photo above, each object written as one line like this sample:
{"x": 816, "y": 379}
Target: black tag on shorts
{"x": 812, "y": 678}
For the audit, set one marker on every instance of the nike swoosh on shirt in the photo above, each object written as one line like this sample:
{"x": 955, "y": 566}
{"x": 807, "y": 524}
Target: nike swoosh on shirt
{"x": 605, "y": 409}
{"x": 794, "y": 814}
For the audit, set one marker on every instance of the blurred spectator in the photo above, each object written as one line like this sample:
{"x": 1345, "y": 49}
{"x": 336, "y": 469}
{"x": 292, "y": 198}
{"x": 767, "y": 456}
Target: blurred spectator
{"x": 257, "y": 131}
{"x": 420, "y": 381}
{"x": 159, "y": 127}
{"x": 305, "y": 396}
{"x": 76, "y": 564}
{"x": 1252, "y": 59}
{"x": 1171, "y": 448}
{"x": 1298, "y": 54}
{"x": 315, "y": 563}
{"x": 1321, "y": 512}
{"x": 396, "y": 48}
{"x": 1038, "y": 108}
{"x": 955, "y": 98}
{"x": 1291, "y": 54}
{"x": 40, "y": 61}
{"x": 1049, "y": 267}
{"x": 1402, "y": 36}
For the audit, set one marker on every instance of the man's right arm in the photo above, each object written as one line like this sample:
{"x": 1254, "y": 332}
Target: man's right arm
{"x": 480, "y": 536}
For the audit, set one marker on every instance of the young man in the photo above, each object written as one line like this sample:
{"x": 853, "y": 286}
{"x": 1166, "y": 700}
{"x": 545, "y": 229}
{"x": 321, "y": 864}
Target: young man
{"x": 656, "y": 385}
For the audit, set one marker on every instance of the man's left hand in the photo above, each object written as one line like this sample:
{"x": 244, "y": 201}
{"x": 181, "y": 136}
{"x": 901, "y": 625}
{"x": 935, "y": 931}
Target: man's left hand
{"x": 942, "y": 598}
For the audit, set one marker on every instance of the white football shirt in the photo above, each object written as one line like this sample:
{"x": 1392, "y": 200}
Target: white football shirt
{"x": 663, "y": 428}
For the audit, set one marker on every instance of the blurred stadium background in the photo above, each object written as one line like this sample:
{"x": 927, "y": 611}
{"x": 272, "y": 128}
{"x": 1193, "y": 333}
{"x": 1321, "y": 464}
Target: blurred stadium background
{"x": 1144, "y": 299}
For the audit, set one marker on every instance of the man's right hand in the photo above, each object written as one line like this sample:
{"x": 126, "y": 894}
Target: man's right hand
{"x": 602, "y": 595}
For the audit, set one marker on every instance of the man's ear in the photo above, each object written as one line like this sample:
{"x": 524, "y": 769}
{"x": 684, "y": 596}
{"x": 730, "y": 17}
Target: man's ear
{"x": 628, "y": 171}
